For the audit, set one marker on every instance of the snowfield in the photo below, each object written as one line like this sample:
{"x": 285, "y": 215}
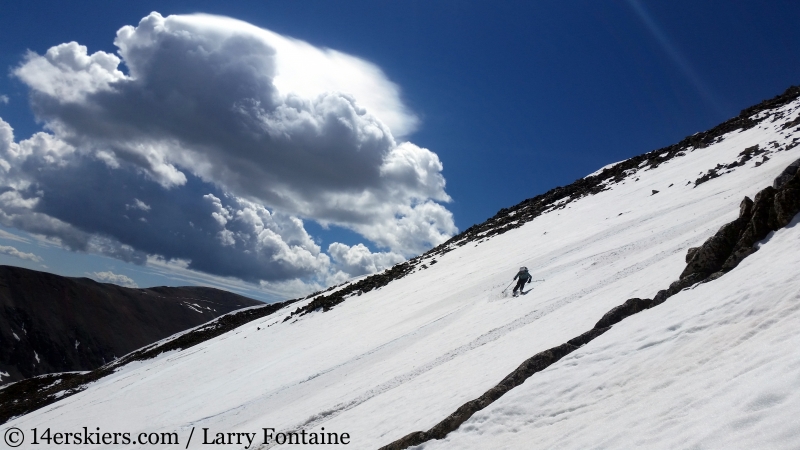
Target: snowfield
{"x": 716, "y": 366}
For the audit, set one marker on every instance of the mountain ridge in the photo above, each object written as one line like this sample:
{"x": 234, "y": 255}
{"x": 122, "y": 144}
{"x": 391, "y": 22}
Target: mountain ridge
{"x": 515, "y": 216}
{"x": 51, "y": 323}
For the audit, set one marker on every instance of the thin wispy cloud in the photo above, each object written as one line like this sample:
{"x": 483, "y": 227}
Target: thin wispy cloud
{"x": 179, "y": 272}
{"x": 677, "y": 57}
{"x": 13, "y": 237}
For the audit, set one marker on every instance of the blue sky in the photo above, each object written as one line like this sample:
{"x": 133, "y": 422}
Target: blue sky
{"x": 511, "y": 98}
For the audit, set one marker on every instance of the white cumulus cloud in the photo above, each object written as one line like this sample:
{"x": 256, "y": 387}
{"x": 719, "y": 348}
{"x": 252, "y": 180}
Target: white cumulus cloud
{"x": 359, "y": 260}
{"x": 12, "y": 251}
{"x": 232, "y": 135}
{"x": 111, "y": 277}
{"x": 68, "y": 73}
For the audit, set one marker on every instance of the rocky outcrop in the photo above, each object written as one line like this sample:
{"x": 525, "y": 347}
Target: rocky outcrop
{"x": 629, "y": 308}
{"x": 787, "y": 173}
{"x": 585, "y": 338}
{"x": 773, "y": 208}
{"x": 710, "y": 257}
{"x": 676, "y": 287}
{"x": 325, "y": 302}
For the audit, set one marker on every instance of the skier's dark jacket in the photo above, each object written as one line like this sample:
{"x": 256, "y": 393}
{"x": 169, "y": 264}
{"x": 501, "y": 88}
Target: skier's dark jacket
{"x": 523, "y": 275}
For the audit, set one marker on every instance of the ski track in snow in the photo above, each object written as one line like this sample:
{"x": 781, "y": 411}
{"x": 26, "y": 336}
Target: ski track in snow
{"x": 320, "y": 418}
{"x": 376, "y": 353}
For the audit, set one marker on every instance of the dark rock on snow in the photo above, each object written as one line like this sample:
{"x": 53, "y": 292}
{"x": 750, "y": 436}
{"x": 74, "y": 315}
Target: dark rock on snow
{"x": 787, "y": 200}
{"x": 585, "y": 338}
{"x": 684, "y": 283}
{"x": 535, "y": 364}
{"x": 690, "y": 253}
{"x": 629, "y": 308}
{"x": 715, "y": 250}
{"x": 787, "y": 173}
{"x": 772, "y": 209}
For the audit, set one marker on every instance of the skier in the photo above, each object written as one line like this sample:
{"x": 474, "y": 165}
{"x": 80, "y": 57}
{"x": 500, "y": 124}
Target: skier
{"x": 524, "y": 277}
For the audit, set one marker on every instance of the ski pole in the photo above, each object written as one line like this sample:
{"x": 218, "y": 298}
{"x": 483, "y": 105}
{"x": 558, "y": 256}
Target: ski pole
{"x": 509, "y": 285}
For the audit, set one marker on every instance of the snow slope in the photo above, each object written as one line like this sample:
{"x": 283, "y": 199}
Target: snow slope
{"x": 401, "y": 358}
{"x": 714, "y": 367}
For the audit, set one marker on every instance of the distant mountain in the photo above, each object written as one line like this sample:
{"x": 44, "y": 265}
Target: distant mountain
{"x": 50, "y": 323}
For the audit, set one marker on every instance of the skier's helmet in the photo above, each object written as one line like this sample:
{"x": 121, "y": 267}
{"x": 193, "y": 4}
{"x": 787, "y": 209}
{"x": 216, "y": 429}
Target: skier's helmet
{"x": 523, "y": 269}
